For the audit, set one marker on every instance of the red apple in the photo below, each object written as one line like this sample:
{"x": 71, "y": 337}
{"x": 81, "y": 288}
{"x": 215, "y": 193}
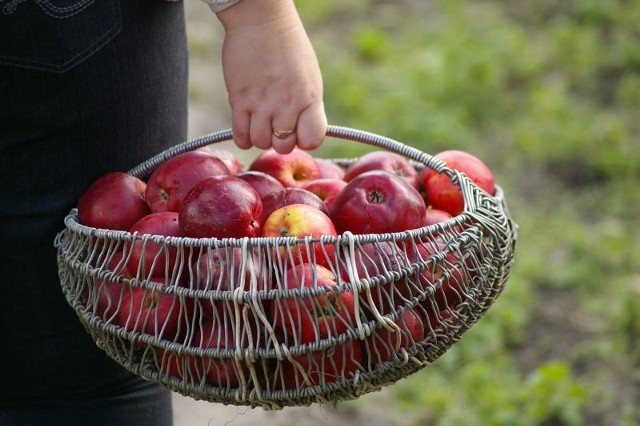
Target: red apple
{"x": 263, "y": 183}
{"x": 301, "y": 221}
{"x": 148, "y": 257}
{"x": 114, "y": 201}
{"x": 441, "y": 193}
{"x": 107, "y": 293}
{"x": 330, "y": 169}
{"x": 319, "y": 367}
{"x": 288, "y": 196}
{"x": 220, "y": 372}
{"x": 228, "y": 268}
{"x": 172, "y": 180}
{"x": 383, "y": 344}
{"x": 378, "y": 202}
{"x": 373, "y": 262}
{"x": 221, "y": 207}
{"x": 445, "y": 275}
{"x": 230, "y": 159}
{"x": 153, "y": 312}
{"x": 292, "y": 170}
{"x": 313, "y": 318}
{"x": 326, "y": 188}
{"x": 383, "y": 160}
{"x": 434, "y": 216}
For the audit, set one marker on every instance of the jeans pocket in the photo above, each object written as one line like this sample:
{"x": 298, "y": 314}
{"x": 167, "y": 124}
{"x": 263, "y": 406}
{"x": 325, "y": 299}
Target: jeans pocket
{"x": 55, "y": 35}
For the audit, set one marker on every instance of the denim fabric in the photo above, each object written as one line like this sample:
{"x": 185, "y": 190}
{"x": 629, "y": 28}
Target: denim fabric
{"x": 86, "y": 87}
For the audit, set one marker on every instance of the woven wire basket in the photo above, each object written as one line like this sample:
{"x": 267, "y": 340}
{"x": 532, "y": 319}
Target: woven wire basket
{"x": 233, "y": 324}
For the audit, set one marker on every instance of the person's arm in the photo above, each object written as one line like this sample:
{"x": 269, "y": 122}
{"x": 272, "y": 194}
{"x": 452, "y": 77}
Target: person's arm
{"x": 272, "y": 76}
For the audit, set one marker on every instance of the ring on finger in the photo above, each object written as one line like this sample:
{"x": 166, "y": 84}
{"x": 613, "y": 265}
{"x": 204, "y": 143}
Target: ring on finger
{"x": 283, "y": 134}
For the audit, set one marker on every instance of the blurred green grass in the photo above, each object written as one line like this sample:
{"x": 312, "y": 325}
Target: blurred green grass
{"x": 548, "y": 94}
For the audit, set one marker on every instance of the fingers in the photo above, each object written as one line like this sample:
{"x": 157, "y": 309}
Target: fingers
{"x": 282, "y": 131}
{"x": 312, "y": 126}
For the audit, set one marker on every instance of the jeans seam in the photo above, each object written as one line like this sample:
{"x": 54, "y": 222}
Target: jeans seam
{"x": 61, "y": 12}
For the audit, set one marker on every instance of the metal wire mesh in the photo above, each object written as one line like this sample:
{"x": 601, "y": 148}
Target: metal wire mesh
{"x": 241, "y": 321}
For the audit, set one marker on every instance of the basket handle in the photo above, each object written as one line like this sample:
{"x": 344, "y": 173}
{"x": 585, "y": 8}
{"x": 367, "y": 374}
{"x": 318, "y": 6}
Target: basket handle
{"x": 339, "y": 132}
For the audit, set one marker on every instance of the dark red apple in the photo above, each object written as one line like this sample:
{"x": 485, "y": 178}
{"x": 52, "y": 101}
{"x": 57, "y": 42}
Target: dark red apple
{"x": 375, "y": 262}
{"x": 301, "y": 221}
{"x": 153, "y": 312}
{"x": 327, "y": 189}
{"x": 313, "y": 318}
{"x": 383, "y": 344}
{"x": 441, "y": 193}
{"x": 221, "y": 207}
{"x": 330, "y": 169}
{"x": 221, "y": 372}
{"x": 114, "y": 201}
{"x": 434, "y": 216}
{"x": 292, "y": 170}
{"x": 263, "y": 183}
{"x": 320, "y": 367}
{"x": 228, "y": 268}
{"x": 149, "y": 258}
{"x": 107, "y": 293}
{"x": 445, "y": 275}
{"x": 287, "y": 196}
{"x": 378, "y": 202}
{"x": 172, "y": 180}
{"x": 229, "y": 158}
{"x": 383, "y": 160}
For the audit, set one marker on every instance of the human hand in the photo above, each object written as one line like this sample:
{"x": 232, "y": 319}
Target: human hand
{"x": 272, "y": 76}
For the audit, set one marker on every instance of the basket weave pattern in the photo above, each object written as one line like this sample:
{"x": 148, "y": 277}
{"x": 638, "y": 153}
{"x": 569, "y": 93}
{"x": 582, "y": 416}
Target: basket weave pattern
{"x": 449, "y": 273}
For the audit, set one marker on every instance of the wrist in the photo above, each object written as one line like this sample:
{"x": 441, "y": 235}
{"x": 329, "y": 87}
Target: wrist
{"x": 255, "y": 13}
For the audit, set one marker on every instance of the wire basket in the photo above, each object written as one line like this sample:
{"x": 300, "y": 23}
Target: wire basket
{"x": 229, "y": 321}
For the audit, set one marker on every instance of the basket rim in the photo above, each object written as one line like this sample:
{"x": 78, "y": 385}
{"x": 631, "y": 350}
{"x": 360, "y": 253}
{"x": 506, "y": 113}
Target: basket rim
{"x": 73, "y": 224}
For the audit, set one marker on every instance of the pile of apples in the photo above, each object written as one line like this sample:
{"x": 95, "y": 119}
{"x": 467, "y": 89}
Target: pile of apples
{"x": 208, "y": 193}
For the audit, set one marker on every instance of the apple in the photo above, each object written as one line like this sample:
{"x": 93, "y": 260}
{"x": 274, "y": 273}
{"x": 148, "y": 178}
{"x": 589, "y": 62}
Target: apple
{"x": 383, "y": 160}
{"x": 106, "y": 294}
{"x": 221, "y": 207}
{"x": 288, "y": 196}
{"x": 434, "y": 216}
{"x": 292, "y": 170}
{"x": 114, "y": 201}
{"x": 220, "y": 372}
{"x": 441, "y": 193}
{"x": 227, "y": 269}
{"x": 330, "y": 169}
{"x": 319, "y": 367}
{"x": 153, "y": 312}
{"x": 313, "y": 318}
{"x": 230, "y": 159}
{"x": 301, "y": 221}
{"x": 220, "y": 269}
{"x": 326, "y": 188}
{"x": 221, "y": 332}
{"x": 378, "y": 202}
{"x": 383, "y": 344}
{"x": 148, "y": 257}
{"x": 445, "y": 275}
{"x": 263, "y": 183}
{"x": 171, "y": 181}
{"x": 374, "y": 261}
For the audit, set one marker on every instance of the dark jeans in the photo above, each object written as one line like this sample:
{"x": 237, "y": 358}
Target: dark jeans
{"x": 86, "y": 87}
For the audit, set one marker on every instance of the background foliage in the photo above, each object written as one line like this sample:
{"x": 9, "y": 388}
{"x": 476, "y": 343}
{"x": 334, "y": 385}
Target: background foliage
{"x": 548, "y": 94}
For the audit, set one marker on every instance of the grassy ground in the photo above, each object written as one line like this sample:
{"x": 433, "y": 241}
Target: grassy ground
{"x": 548, "y": 94}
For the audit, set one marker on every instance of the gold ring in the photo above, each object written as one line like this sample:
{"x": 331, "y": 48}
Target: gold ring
{"x": 283, "y": 134}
